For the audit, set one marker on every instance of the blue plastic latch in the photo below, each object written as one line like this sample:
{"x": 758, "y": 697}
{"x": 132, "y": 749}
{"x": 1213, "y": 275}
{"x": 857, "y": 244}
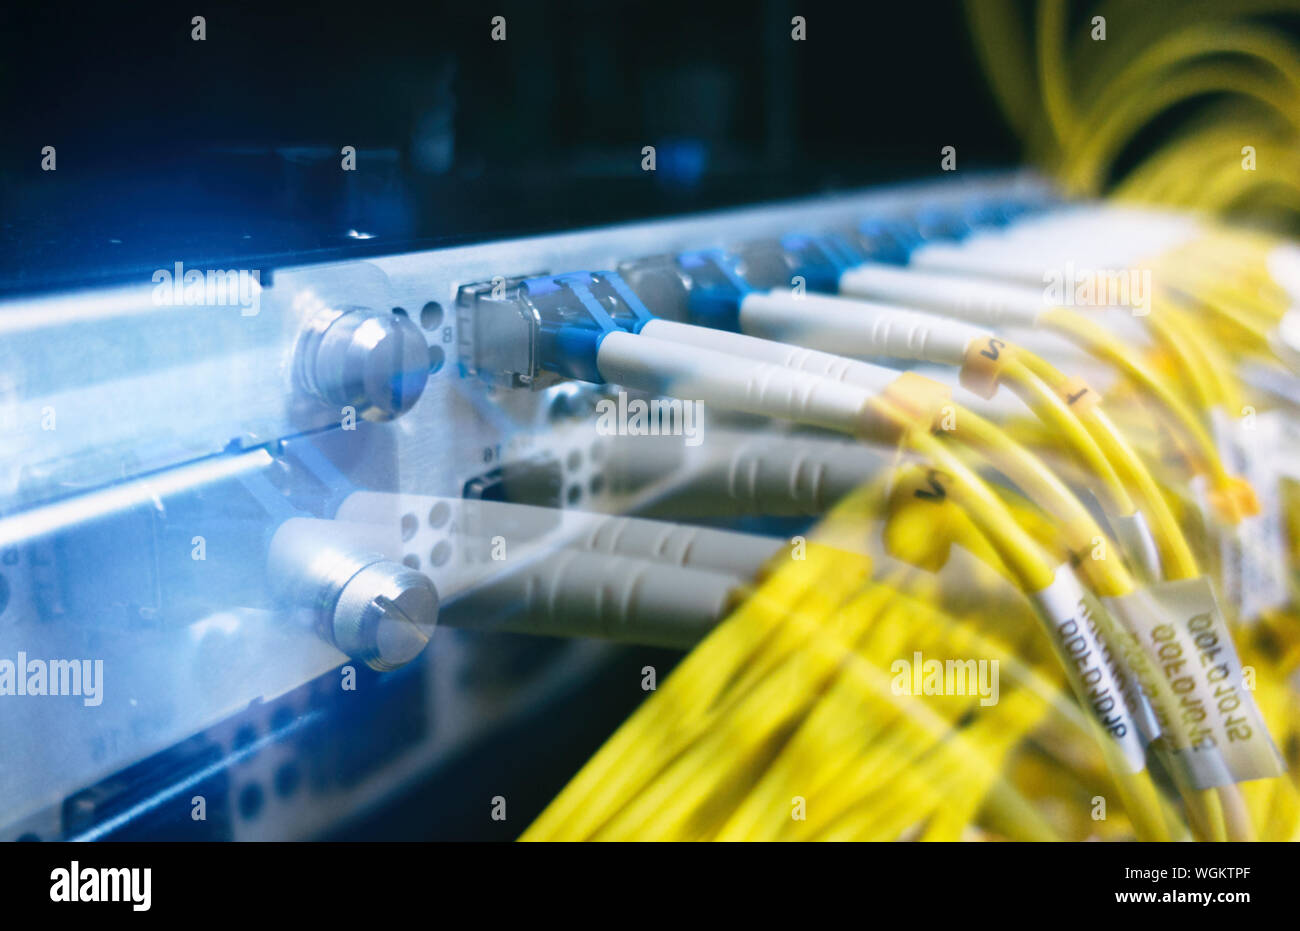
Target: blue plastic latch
{"x": 717, "y": 289}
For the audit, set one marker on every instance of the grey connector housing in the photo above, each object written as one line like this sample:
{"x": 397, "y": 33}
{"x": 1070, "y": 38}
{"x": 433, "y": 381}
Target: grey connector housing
{"x": 661, "y": 284}
{"x": 498, "y": 335}
{"x": 576, "y": 593}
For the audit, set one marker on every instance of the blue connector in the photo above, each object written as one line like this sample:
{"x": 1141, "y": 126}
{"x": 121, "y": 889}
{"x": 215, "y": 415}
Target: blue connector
{"x": 892, "y": 240}
{"x": 716, "y": 289}
{"x": 529, "y": 332}
{"x": 574, "y": 313}
{"x": 820, "y": 259}
{"x": 943, "y": 224}
{"x": 889, "y": 241}
{"x": 981, "y": 215}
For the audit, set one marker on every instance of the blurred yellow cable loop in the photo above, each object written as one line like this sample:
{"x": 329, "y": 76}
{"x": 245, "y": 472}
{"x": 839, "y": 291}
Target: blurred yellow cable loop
{"x": 973, "y": 645}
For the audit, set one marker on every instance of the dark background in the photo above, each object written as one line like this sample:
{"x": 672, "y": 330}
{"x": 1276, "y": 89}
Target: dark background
{"x": 170, "y": 149}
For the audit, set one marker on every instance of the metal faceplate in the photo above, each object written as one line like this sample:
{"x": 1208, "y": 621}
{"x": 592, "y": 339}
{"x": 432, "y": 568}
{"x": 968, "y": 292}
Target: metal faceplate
{"x": 152, "y": 447}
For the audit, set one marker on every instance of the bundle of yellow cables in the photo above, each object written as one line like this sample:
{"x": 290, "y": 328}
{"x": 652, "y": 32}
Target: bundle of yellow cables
{"x": 788, "y": 723}
{"x": 1082, "y": 81}
{"x": 792, "y": 720}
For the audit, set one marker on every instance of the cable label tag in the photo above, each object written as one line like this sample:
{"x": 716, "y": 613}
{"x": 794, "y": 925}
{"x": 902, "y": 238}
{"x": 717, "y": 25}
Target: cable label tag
{"x": 1214, "y": 728}
{"x": 1252, "y": 554}
{"x": 981, "y": 372}
{"x": 1073, "y": 617}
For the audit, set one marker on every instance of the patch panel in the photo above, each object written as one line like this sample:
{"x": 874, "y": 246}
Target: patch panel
{"x": 164, "y": 575}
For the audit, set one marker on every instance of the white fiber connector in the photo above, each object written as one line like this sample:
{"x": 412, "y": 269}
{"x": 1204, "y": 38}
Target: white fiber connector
{"x": 874, "y": 378}
{"x": 856, "y": 328}
{"x": 774, "y": 476}
{"x": 770, "y": 474}
{"x": 574, "y": 593}
{"x": 740, "y": 554}
{"x": 1098, "y": 237}
{"x": 987, "y": 303}
{"x": 732, "y": 382}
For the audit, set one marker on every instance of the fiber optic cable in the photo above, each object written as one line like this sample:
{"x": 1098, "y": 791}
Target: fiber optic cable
{"x": 788, "y": 686}
{"x": 1014, "y": 553}
{"x": 703, "y": 675}
{"x": 1231, "y": 493}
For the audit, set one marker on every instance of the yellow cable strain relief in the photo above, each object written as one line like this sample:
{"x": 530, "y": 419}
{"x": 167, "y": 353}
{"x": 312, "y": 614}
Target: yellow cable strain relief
{"x": 1078, "y": 395}
{"x": 909, "y": 402}
{"x": 1234, "y": 500}
{"x": 921, "y": 518}
{"x": 981, "y": 372}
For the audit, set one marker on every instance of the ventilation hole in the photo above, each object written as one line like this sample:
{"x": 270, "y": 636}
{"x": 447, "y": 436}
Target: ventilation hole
{"x": 410, "y": 524}
{"x": 245, "y": 737}
{"x": 439, "y": 514}
{"x": 287, "y": 780}
{"x": 597, "y": 484}
{"x": 441, "y": 553}
{"x": 574, "y": 461}
{"x": 560, "y": 408}
{"x": 574, "y": 494}
{"x": 250, "y": 801}
{"x": 400, "y": 310}
{"x": 411, "y": 561}
{"x": 431, "y": 315}
{"x": 436, "y": 359}
{"x": 282, "y": 718}
{"x": 29, "y": 838}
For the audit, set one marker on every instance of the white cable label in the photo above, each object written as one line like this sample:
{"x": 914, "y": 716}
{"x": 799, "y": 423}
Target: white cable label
{"x": 1252, "y": 554}
{"x": 1213, "y": 725}
{"x": 1098, "y": 680}
{"x": 1284, "y": 267}
{"x": 1285, "y": 339}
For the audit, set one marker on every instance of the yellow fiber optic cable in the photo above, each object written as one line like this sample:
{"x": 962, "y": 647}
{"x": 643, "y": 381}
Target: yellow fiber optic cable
{"x": 813, "y": 587}
{"x": 831, "y": 720}
{"x": 1175, "y": 552}
{"x": 658, "y": 812}
{"x": 1232, "y": 496}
